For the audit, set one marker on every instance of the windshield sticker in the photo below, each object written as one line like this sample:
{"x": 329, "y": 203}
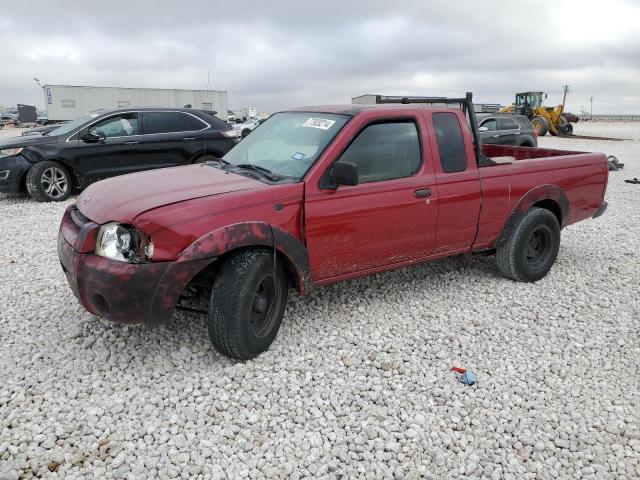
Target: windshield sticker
{"x": 298, "y": 156}
{"x": 321, "y": 123}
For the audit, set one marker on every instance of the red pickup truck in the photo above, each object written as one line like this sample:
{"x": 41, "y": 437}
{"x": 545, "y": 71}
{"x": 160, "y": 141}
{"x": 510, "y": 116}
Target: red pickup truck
{"x": 314, "y": 196}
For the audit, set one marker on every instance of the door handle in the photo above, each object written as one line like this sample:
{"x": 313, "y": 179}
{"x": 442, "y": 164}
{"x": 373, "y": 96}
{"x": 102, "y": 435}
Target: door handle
{"x": 188, "y": 139}
{"x": 131, "y": 142}
{"x": 422, "y": 193}
{"x": 496, "y": 136}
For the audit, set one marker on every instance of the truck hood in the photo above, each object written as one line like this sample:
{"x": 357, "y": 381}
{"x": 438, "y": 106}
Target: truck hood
{"x": 123, "y": 198}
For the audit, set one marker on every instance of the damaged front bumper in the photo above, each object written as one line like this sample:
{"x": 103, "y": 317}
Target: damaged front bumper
{"x": 119, "y": 291}
{"x": 12, "y": 171}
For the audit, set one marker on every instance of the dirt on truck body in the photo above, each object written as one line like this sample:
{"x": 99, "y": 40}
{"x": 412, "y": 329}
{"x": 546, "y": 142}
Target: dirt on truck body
{"x": 314, "y": 196}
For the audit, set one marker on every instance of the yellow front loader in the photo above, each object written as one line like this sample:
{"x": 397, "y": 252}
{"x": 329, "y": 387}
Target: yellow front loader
{"x": 544, "y": 119}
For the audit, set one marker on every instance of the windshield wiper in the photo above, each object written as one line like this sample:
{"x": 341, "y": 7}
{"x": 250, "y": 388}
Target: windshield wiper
{"x": 274, "y": 177}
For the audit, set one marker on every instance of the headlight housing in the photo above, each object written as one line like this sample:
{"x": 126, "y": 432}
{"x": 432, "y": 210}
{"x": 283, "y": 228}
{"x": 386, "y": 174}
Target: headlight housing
{"x": 123, "y": 243}
{"x": 7, "y": 152}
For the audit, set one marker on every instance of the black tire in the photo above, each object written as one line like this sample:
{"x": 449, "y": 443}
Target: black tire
{"x": 532, "y": 248}
{"x": 540, "y": 124}
{"x": 247, "y": 303}
{"x": 566, "y": 129}
{"x": 245, "y": 132}
{"x": 48, "y": 182}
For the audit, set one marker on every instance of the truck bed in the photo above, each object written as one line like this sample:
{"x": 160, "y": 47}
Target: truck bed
{"x": 523, "y": 153}
{"x": 515, "y": 171}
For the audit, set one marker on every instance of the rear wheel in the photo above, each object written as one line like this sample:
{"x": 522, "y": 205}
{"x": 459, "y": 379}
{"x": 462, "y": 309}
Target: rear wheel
{"x": 48, "y": 182}
{"x": 532, "y": 248}
{"x": 247, "y": 303}
{"x": 540, "y": 125}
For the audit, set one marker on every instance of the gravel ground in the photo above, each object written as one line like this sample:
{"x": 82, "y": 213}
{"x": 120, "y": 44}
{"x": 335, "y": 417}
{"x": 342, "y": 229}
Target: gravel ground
{"x": 358, "y": 382}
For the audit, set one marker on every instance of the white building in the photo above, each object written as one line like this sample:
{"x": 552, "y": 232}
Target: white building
{"x": 66, "y": 102}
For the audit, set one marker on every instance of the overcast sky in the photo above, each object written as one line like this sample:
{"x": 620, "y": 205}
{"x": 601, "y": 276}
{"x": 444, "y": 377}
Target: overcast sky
{"x": 278, "y": 54}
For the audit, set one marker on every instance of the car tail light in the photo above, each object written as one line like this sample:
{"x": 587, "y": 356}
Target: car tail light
{"x": 230, "y": 133}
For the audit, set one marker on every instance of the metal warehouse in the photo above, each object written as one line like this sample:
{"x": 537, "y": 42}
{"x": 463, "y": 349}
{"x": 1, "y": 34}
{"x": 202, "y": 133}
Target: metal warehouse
{"x": 66, "y": 102}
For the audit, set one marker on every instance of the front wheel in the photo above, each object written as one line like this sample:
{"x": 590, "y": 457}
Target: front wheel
{"x": 540, "y": 125}
{"x": 48, "y": 182}
{"x": 247, "y": 303}
{"x": 532, "y": 248}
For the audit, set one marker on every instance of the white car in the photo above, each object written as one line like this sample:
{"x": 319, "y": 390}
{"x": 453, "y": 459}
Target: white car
{"x": 247, "y": 127}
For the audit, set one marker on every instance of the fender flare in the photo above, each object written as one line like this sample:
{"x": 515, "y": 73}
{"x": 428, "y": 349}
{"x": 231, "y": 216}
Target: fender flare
{"x": 529, "y": 199}
{"x": 248, "y": 234}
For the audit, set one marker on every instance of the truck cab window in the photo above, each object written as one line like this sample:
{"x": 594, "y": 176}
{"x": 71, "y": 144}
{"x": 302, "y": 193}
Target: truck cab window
{"x": 453, "y": 156}
{"x": 119, "y": 126}
{"x": 384, "y": 151}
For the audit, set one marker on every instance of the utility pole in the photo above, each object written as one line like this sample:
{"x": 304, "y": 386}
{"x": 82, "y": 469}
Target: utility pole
{"x": 565, "y": 88}
{"x": 591, "y": 100}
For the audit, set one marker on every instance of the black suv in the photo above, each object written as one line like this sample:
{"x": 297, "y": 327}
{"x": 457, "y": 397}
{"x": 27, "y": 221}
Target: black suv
{"x": 107, "y": 143}
{"x": 506, "y": 129}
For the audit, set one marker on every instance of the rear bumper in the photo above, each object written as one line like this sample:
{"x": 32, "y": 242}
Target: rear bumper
{"x": 119, "y": 291}
{"x": 600, "y": 210}
{"x": 12, "y": 171}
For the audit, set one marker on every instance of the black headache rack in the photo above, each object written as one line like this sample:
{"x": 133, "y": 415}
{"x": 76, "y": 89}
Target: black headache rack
{"x": 465, "y": 104}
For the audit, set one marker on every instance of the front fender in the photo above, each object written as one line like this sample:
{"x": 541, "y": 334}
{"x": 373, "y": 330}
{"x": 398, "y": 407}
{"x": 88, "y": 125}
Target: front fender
{"x": 248, "y": 234}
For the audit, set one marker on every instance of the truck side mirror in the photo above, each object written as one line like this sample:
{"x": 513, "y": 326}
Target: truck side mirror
{"x": 483, "y": 129}
{"x": 345, "y": 173}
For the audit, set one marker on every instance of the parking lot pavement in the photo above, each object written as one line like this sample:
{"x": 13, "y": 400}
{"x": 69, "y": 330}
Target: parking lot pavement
{"x": 358, "y": 381}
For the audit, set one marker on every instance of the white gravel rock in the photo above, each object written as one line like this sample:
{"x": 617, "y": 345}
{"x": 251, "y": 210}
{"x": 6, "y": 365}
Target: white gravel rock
{"x": 358, "y": 382}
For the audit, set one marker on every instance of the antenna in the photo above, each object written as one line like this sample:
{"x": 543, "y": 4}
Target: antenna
{"x": 204, "y": 139}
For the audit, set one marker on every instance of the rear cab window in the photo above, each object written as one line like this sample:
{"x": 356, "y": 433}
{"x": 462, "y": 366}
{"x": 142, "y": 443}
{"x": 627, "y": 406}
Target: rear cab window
{"x": 450, "y": 141}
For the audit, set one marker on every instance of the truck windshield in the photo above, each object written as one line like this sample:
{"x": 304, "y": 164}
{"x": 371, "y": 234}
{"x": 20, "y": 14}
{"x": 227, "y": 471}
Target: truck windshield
{"x": 288, "y": 143}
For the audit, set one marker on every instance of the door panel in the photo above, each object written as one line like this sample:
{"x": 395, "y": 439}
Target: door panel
{"x": 356, "y": 228}
{"x": 492, "y": 135}
{"x": 171, "y": 138}
{"x": 459, "y": 194}
{"x": 509, "y": 131}
{"x": 117, "y": 153}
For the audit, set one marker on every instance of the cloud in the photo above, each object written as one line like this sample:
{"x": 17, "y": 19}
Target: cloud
{"x": 279, "y": 54}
